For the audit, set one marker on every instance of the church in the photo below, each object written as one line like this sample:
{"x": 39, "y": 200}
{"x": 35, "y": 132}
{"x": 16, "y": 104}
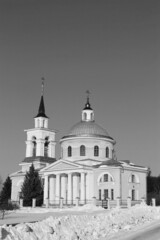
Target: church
{"x": 88, "y": 167}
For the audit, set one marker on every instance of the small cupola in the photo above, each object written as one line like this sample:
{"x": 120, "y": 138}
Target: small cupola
{"x": 87, "y": 112}
{"x": 41, "y": 120}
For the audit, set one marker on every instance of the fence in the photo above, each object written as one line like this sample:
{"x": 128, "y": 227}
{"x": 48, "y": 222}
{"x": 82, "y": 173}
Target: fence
{"x": 105, "y": 203}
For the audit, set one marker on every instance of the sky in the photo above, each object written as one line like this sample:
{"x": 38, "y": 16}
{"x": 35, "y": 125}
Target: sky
{"x": 109, "y": 47}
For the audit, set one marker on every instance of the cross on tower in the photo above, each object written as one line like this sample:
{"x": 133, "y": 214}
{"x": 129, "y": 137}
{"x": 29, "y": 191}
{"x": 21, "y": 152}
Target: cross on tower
{"x": 43, "y": 79}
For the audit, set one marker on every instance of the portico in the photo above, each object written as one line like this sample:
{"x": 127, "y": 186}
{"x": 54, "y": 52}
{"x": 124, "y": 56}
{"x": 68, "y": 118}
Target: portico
{"x": 69, "y": 184}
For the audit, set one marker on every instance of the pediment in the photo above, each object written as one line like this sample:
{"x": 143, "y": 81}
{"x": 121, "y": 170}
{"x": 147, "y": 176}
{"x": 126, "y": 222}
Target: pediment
{"x": 61, "y": 165}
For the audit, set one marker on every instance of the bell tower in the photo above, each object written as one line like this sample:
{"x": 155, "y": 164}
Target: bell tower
{"x": 40, "y": 144}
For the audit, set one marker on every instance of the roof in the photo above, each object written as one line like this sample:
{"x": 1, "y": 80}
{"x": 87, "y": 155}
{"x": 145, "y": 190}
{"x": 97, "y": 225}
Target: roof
{"x": 41, "y": 110}
{"x": 120, "y": 163}
{"x": 110, "y": 162}
{"x": 39, "y": 159}
{"x": 87, "y": 129}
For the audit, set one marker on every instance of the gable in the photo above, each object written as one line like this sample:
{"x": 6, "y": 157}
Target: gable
{"x": 60, "y": 166}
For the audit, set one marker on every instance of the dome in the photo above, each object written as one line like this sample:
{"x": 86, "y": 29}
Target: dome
{"x": 87, "y": 129}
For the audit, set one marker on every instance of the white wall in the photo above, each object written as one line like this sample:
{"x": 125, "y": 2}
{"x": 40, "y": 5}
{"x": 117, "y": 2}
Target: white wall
{"x": 16, "y": 187}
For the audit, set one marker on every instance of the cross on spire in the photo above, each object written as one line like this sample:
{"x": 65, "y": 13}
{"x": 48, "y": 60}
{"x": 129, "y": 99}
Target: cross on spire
{"x": 41, "y": 111}
{"x": 42, "y": 86}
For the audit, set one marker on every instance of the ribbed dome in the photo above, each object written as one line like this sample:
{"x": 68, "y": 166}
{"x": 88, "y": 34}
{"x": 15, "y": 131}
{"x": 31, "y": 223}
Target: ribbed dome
{"x": 89, "y": 128}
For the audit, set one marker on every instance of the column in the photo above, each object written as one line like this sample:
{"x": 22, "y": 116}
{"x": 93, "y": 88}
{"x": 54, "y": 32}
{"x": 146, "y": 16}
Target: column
{"x": 45, "y": 189}
{"x": 83, "y": 188}
{"x": 90, "y": 186}
{"x": 75, "y": 185}
{"x": 52, "y": 189}
{"x": 29, "y": 148}
{"x": 69, "y": 199}
{"x": 51, "y": 152}
{"x": 63, "y": 186}
{"x": 57, "y": 187}
{"x": 40, "y": 147}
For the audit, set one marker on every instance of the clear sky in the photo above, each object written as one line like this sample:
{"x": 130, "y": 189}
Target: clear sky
{"x": 110, "y": 47}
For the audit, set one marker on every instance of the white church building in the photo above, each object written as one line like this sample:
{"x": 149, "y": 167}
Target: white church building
{"x": 88, "y": 167}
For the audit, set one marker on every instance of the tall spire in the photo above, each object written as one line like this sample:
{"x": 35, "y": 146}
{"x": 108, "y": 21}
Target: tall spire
{"x": 87, "y": 105}
{"x": 41, "y": 110}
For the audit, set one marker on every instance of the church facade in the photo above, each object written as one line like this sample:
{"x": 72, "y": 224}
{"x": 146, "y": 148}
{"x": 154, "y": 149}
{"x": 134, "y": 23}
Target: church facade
{"x": 88, "y": 167}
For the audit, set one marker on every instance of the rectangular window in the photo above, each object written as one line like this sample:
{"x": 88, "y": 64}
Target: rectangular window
{"x": 112, "y": 194}
{"x": 133, "y": 195}
{"x": 105, "y": 193}
{"x": 105, "y": 177}
{"x": 99, "y": 194}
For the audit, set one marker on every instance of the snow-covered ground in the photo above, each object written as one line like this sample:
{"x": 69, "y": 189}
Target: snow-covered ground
{"x": 98, "y": 225}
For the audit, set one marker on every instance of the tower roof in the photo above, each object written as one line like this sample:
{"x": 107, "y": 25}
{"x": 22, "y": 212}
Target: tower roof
{"x": 41, "y": 110}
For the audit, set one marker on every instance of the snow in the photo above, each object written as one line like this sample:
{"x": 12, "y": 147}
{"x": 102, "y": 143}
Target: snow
{"x": 98, "y": 225}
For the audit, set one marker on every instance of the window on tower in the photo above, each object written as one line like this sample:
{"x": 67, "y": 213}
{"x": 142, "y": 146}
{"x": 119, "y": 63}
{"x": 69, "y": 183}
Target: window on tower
{"x": 82, "y": 150}
{"x": 34, "y": 146}
{"x": 43, "y": 123}
{"x": 85, "y": 116}
{"x": 46, "y": 146}
{"x": 96, "y": 151}
{"x": 69, "y": 151}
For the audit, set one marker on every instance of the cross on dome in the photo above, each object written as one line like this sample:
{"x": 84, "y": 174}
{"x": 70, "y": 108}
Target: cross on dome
{"x": 87, "y": 105}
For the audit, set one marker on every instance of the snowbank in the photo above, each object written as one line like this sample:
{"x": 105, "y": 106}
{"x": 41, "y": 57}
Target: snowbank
{"x": 86, "y": 227}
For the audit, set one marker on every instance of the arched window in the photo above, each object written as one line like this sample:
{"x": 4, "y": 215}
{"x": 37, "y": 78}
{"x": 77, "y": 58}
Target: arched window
{"x": 133, "y": 178}
{"x": 46, "y": 144}
{"x": 96, "y": 151}
{"x": 107, "y": 152}
{"x": 34, "y": 146}
{"x": 69, "y": 151}
{"x": 43, "y": 123}
{"x": 82, "y": 150}
{"x": 85, "y": 116}
{"x": 106, "y": 177}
